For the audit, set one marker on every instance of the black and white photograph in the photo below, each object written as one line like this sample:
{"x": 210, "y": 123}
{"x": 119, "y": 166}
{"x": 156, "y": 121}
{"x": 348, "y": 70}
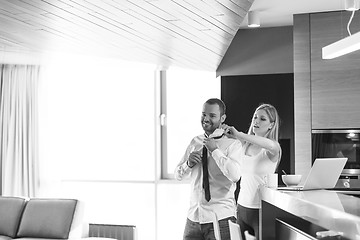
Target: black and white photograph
{"x": 179, "y": 119}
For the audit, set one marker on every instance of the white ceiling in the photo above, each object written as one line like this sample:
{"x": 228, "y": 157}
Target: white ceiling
{"x": 184, "y": 33}
{"x": 275, "y": 13}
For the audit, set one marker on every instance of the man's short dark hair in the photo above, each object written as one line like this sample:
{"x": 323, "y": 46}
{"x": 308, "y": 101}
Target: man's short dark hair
{"x": 219, "y": 102}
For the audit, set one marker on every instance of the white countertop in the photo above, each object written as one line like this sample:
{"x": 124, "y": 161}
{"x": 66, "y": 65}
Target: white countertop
{"x": 328, "y": 209}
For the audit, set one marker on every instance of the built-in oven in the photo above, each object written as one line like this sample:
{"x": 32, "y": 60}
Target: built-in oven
{"x": 340, "y": 143}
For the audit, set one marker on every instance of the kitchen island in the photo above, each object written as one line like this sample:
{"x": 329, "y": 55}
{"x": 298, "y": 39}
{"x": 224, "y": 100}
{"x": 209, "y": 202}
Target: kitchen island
{"x": 308, "y": 214}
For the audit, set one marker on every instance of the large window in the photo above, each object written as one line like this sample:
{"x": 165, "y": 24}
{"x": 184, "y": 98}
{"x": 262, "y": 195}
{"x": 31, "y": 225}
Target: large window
{"x": 186, "y": 91}
{"x": 91, "y": 124}
{"x": 97, "y": 139}
{"x": 98, "y": 122}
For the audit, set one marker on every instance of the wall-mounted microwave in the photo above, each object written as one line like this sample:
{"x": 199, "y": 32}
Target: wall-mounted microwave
{"x": 338, "y": 143}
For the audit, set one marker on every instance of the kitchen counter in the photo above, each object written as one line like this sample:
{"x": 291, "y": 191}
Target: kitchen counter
{"x": 322, "y": 209}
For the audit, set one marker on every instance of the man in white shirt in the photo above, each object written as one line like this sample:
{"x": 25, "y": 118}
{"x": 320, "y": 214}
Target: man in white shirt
{"x": 223, "y": 167}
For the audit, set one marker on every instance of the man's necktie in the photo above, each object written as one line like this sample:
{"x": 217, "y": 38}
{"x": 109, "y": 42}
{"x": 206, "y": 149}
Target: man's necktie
{"x": 205, "y": 174}
{"x": 206, "y": 184}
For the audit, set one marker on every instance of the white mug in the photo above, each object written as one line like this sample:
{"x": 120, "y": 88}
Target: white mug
{"x": 271, "y": 180}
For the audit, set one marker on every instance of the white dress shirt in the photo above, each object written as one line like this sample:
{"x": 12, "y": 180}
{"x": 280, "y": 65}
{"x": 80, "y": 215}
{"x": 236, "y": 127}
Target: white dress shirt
{"x": 224, "y": 172}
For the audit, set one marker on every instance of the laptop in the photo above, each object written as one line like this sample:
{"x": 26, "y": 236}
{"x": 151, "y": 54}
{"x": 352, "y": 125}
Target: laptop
{"x": 324, "y": 174}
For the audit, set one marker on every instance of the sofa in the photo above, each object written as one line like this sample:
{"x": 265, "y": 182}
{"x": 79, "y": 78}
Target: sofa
{"x": 41, "y": 219}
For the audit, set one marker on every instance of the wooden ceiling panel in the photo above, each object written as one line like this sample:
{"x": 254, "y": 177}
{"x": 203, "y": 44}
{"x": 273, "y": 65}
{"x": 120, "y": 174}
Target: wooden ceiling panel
{"x": 197, "y": 21}
{"x": 202, "y": 9}
{"x": 21, "y": 6}
{"x": 184, "y": 33}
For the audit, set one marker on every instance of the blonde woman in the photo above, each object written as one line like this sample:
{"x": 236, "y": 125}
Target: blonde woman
{"x": 260, "y": 155}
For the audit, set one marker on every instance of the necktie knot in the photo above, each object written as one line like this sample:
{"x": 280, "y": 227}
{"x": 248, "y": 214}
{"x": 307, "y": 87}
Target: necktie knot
{"x": 214, "y": 137}
{"x": 218, "y": 137}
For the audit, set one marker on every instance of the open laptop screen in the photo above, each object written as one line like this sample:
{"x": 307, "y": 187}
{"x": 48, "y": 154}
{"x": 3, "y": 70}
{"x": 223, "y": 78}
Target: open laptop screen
{"x": 324, "y": 174}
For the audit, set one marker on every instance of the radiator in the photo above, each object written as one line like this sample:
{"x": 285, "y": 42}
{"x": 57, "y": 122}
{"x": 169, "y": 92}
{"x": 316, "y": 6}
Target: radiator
{"x": 119, "y": 232}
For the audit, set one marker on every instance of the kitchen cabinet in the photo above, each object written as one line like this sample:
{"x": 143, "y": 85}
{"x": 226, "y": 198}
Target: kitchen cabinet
{"x": 242, "y": 94}
{"x": 335, "y": 83}
{"x": 326, "y": 92}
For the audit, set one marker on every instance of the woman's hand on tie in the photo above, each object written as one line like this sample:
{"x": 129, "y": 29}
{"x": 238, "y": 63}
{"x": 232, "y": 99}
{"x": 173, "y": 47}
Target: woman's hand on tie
{"x": 230, "y": 131}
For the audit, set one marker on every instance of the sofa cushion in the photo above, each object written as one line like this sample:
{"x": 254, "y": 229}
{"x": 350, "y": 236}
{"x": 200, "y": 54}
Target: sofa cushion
{"x": 47, "y": 218}
{"x": 5, "y": 238}
{"x": 12, "y": 208}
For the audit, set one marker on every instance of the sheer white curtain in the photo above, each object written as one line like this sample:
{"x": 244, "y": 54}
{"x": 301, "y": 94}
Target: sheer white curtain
{"x": 18, "y": 130}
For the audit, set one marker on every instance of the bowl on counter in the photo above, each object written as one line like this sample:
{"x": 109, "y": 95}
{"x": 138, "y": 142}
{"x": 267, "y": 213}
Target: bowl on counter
{"x": 291, "y": 179}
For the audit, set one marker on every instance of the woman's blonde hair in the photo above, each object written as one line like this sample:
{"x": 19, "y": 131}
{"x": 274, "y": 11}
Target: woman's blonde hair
{"x": 273, "y": 133}
{"x": 271, "y": 111}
